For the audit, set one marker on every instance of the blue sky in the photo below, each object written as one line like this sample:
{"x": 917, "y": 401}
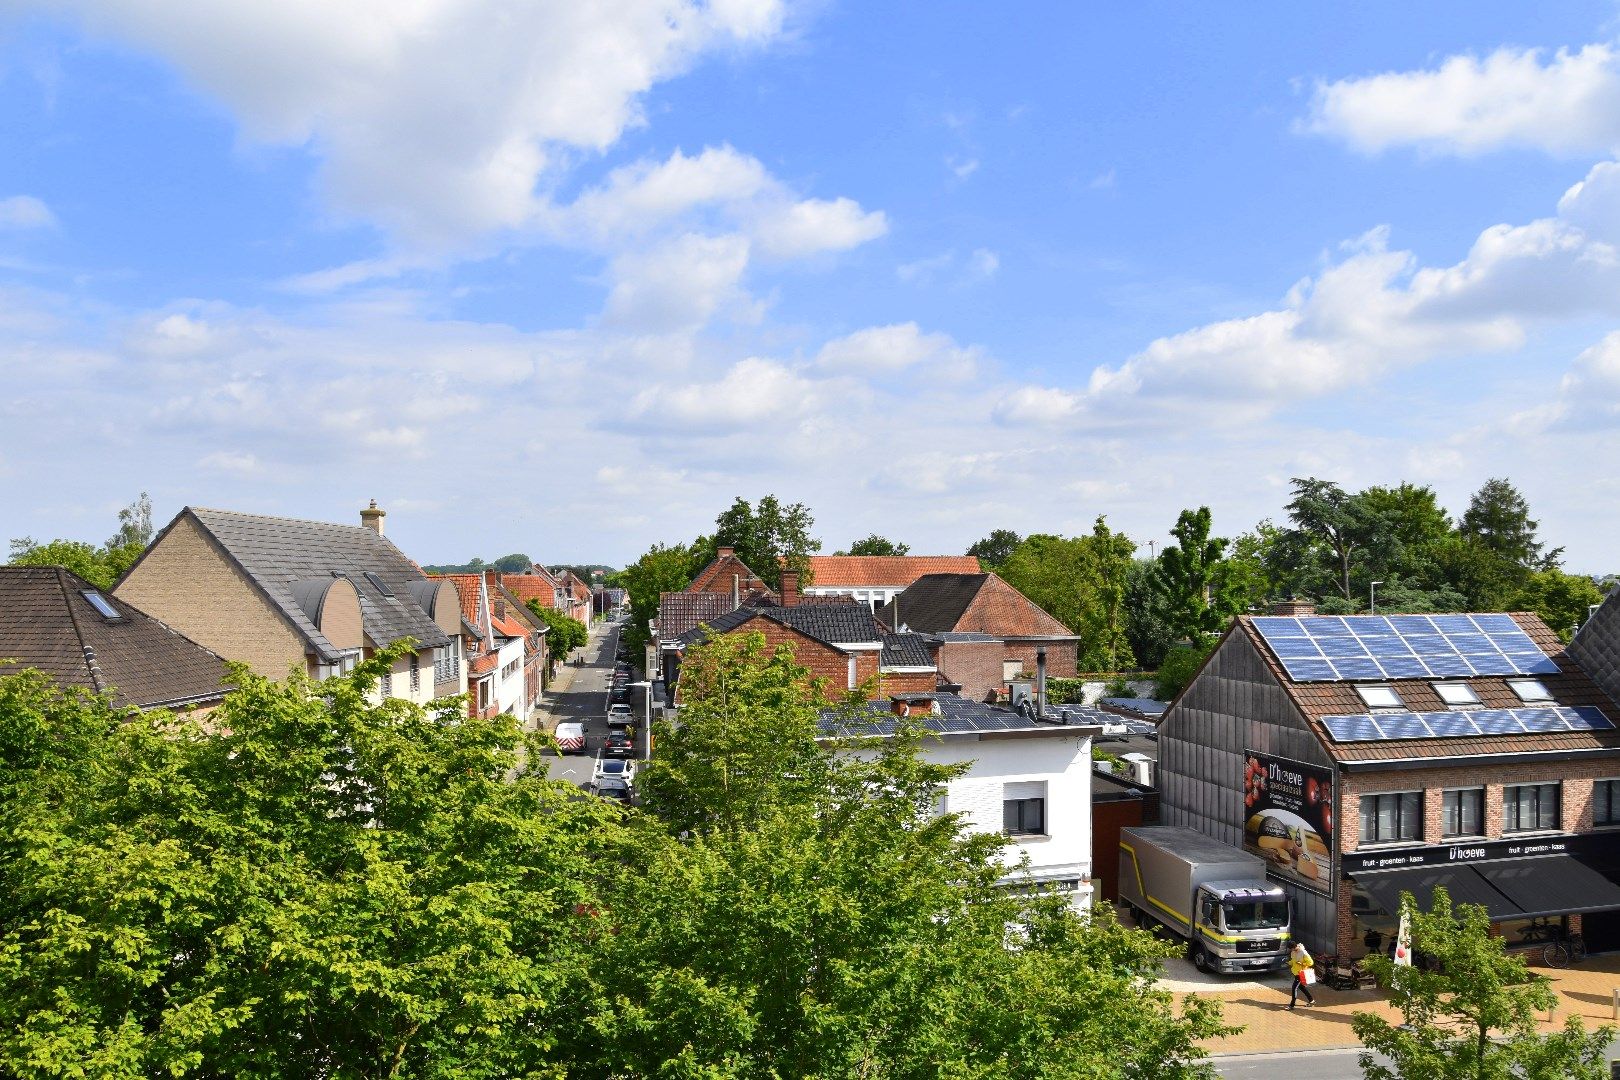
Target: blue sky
{"x": 565, "y": 279}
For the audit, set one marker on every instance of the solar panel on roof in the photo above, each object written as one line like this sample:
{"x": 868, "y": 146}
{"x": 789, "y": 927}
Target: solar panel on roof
{"x": 1332, "y": 648}
{"x": 1452, "y": 725}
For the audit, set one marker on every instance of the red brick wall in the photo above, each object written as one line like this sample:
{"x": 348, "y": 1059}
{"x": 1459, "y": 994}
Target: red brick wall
{"x": 909, "y": 683}
{"x": 975, "y": 665}
{"x": 1062, "y": 658}
{"x": 824, "y": 661}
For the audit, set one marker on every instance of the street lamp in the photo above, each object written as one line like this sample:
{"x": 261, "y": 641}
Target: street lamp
{"x": 646, "y": 696}
{"x": 1372, "y": 597}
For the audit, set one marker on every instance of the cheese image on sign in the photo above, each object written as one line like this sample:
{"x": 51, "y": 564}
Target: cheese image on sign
{"x": 1289, "y": 819}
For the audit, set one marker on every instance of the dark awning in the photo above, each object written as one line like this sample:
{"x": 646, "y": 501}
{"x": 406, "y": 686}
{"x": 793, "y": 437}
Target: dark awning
{"x": 1552, "y": 885}
{"x": 1464, "y": 885}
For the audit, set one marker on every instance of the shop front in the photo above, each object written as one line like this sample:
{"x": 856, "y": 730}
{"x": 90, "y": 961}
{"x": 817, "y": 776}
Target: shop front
{"x": 1535, "y": 890}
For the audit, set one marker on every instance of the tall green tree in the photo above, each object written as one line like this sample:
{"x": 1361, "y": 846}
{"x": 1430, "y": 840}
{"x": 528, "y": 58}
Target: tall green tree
{"x": 1105, "y": 643}
{"x": 662, "y": 569}
{"x": 865, "y": 934}
{"x": 1147, "y": 615}
{"x": 1470, "y": 1014}
{"x": 767, "y": 538}
{"x": 1338, "y": 521}
{"x": 876, "y": 545}
{"x": 1200, "y": 597}
{"x": 563, "y": 634}
{"x": 1498, "y": 520}
{"x": 994, "y": 550}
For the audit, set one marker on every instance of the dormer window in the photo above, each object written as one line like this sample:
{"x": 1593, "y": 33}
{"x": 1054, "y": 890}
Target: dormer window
{"x": 1456, "y": 693}
{"x": 1380, "y": 697}
{"x": 102, "y": 605}
{"x": 1530, "y": 691}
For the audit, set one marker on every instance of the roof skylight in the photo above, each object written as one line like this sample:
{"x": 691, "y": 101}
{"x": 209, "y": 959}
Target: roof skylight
{"x": 102, "y": 605}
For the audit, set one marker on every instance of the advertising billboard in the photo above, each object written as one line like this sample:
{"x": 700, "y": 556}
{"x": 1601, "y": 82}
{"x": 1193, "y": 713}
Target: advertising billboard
{"x": 1288, "y": 820}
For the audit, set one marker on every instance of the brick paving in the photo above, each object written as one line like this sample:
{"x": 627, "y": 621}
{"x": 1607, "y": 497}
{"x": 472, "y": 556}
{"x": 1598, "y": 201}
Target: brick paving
{"x": 1586, "y": 991}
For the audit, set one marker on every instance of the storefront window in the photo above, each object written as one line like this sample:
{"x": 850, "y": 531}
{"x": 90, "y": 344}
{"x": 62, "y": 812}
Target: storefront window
{"x": 1529, "y": 807}
{"x": 1462, "y": 813}
{"x": 1391, "y": 817}
{"x": 1606, "y": 802}
{"x": 1532, "y": 931}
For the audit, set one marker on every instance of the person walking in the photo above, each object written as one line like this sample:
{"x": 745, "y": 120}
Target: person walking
{"x": 1299, "y": 962}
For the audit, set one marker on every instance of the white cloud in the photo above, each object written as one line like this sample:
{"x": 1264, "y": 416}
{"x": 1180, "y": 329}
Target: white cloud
{"x": 679, "y": 285}
{"x": 435, "y": 118}
{"x": 25, "y": 212}
{"x": 962, "y": 168}
{"x": 903, "y": 346}
{"x": 1568, "y": 103}
{"x": 981, "y": 265}
{"x": 817, "y": 225}
{"x": 639, "y": 197}
{"x": 1372, "y": 312}
{"x": 1588, "y": 395}
{"x": 754, "y": 391}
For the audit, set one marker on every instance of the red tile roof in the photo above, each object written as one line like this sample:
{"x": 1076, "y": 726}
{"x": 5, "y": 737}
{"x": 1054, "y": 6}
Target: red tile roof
{"x": 717, "y": 577}
{"x": 865, "y": 571}
{"x": 467, "y": 586}
{"x": 539, "y": 586}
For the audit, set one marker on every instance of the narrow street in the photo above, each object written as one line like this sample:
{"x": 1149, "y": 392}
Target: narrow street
{"x": 580, "y": 695}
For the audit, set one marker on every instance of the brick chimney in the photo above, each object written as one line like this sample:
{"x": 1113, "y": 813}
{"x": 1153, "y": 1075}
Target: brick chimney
{"x": 497, "y": 601}
{"x": 790, "y": 588}
{"x": 725, "y": 553}
{"x": 1293, "y": 607}
{"x": 372, "y": 518}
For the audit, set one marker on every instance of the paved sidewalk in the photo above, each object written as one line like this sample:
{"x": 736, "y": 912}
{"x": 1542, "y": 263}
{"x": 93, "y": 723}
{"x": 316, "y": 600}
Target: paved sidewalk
{"x": 1586, "y": 991}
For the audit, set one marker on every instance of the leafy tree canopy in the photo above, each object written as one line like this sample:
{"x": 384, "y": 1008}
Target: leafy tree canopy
{"x": 563, "y": 633}
{"x": 765, "y": 537}
{"x": 100, "y": 566}
{"x": 1498, "y": 520}
{"x": 1200, "y": 596}
{"x": 994, "y": 550}
{"x": 876, "y": 545}
{"x": 1471, "y": 1011}
{"x": 662, "y": 569}
{"x": 1082, "y": 582}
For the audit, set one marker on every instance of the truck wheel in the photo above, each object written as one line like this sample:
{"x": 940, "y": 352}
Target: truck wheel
{"x": 1200, "y": 958}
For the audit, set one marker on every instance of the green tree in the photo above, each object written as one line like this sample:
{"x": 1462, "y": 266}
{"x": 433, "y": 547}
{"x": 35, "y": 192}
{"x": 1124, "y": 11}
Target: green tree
{"x": 1177, "y": 669}
{"x": 876, "y": 545}
{"x": 1200, "y": 597}
{"x": 1104, "y": 642}
{"x": 563, "y": 634}
{"x": 766, "y": 538}
{"x": 515, "y": 564}
{"x": 1562, "y": 600}
{"x": 1498, "y": 520}
{"x": 100, "y": 566}
{"x": 309, "y": 884}
{"x": 1147, "y": 615}
{"x": 1471, "y": 1015}
{"x": 865, "y": 934}
{"x": 994, "y": 550}
{"x": 1053, "y": 572}
{"x": 1337, "y": 521}
{"x": 660, "y": 570}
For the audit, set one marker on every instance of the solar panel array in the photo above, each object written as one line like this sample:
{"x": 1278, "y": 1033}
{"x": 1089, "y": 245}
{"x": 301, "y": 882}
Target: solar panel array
{"x": 1346, "y": 648}
{"x": 1377, "y": 727}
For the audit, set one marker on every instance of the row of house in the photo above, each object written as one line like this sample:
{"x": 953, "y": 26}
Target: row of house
{"x": 942, "y": 644}
{"x": 280, "y": 595}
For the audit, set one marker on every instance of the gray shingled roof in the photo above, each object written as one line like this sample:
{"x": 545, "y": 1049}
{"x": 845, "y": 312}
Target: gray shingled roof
{"x": 833, "y": 624}
{"x": 46, "y": 623}
{"x": 1596, "y": 646}
{"x": 277, "y": 552}
{"x": 934, "y": 602}
{"x": 905, "y": 650}
{"x": 680, "y": 612}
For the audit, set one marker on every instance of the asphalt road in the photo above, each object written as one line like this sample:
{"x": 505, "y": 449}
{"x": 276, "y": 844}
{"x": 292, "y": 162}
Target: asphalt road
{"x": 585, "y": 702}
{"x": 1291, "y": 1065}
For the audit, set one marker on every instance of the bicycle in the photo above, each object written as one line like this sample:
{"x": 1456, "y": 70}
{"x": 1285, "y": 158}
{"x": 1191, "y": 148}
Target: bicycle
{"x": 1570, "y": 950}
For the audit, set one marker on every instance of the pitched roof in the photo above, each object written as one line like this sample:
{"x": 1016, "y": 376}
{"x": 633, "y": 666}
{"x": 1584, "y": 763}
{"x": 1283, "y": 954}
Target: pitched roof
{"x": 679, "y": 612}
{"x": 939, "y": 603}
{"x": 276, "y": 552}
{"x": 718, "y": 575}
{"x": 905, "y": 650}
{"x": 47, "y": 623}
{"x": 1571, "y": 687}
{"x": 831, "y": 624}
{"x": 861, "y": 571}
{"x": 1596, "y": 645}
{"x": 538, "y": 585}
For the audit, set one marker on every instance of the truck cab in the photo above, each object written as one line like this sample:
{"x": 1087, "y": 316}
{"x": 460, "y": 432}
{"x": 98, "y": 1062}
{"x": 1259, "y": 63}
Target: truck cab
{"x": 1240, "y": 926}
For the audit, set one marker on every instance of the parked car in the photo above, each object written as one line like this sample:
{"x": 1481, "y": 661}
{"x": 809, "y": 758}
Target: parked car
{"x": 618, "y": 768}
{"x": 620, "y": 745}
{"x": 570, "y": 738}
{"x": 611, "y": 787}
{"x": 619, "y": 711}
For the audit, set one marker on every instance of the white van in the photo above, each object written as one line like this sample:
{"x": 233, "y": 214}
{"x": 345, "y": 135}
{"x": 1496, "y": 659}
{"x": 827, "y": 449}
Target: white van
{"x": 570, "y": 738}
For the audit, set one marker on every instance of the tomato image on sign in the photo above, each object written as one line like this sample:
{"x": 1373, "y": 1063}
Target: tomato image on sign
{"x": 1289, "y": 819}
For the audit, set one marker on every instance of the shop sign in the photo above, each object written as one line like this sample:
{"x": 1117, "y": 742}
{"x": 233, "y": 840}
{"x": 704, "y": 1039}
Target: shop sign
{"x": 1478, "y": 851}
{"x": 1288, "y": 820}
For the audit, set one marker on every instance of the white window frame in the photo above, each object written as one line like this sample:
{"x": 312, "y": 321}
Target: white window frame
{"x": 1535, "y": 689}
{"x": 1368, "y": 693}
{"x": 1444, "y": 688}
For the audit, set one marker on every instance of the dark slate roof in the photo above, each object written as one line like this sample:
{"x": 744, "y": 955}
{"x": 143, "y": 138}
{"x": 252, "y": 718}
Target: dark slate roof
{"x": 1571, "y": 687}
{"x": 1596, "y": 646}
{"x": 844, "y": 623}
{"x": 905, "y": 650}
{"x": 277, "y": 552}
{"x": 957, "y": 716}
{"x": 934, "y": 603}
{"x": 46, "y": 623}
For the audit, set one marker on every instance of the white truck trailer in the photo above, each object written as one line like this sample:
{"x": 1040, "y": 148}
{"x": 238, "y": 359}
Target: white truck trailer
{"x": 1212, "y": 895}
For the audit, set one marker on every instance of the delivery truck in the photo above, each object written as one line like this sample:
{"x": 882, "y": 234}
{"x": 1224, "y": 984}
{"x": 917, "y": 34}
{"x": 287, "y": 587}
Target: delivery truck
{"x": 1212, "y": 895}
